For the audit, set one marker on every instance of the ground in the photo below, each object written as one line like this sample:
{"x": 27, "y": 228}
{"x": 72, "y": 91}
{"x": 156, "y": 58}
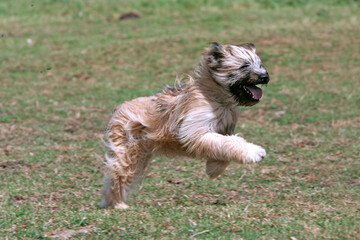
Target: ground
{"x": 65, "y": 65}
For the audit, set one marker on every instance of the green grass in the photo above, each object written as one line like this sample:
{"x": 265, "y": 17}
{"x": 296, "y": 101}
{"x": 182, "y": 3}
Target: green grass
{"x": 57, "y": 94}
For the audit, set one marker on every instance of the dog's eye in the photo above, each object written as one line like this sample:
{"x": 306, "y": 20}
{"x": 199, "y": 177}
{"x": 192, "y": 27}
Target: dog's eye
{"x": 244, "y": 66}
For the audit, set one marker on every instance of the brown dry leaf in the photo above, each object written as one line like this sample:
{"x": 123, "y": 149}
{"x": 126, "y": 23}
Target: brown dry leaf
{"x": 7, "y": 151}
{"x": 303, "y": 143}
{"x": 151, "y": 174}
{"x": 129, "y": 15}
{"x": 67, "y": 233}
{"x": 268, "y": 169}
{"x": 311, "y": 177}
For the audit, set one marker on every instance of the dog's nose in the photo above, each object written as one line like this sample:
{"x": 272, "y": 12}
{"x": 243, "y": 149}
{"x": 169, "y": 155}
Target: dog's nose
{"x": 264, "y": 77}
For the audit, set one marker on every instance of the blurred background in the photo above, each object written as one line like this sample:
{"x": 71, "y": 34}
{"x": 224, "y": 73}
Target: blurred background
{"x": 65, "y": 65}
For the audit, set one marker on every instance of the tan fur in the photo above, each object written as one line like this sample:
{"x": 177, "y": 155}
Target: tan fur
{"x": 195, "y": 119}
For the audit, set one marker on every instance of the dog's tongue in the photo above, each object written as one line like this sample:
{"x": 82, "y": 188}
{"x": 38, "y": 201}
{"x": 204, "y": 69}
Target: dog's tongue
{"x": 256, "y": 92}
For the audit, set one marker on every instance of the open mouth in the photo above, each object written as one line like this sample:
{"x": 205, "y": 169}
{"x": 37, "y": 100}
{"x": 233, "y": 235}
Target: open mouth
{"x": 252, "y": 92}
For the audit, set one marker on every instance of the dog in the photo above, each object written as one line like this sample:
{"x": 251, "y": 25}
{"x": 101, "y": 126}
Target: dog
{"x": 196, "y": 118}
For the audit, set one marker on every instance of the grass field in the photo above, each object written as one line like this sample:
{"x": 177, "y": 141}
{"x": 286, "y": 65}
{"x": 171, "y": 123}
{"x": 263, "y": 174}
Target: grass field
{"x": 65, "y": 65}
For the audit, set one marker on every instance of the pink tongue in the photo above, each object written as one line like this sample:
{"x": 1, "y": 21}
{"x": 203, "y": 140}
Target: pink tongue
{"x": 256, "y": 92}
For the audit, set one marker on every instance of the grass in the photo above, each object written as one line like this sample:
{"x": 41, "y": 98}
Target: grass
{"x": 65, "y": 65}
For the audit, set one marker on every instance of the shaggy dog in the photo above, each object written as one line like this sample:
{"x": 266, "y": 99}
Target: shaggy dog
{"x": 195, "y": 119}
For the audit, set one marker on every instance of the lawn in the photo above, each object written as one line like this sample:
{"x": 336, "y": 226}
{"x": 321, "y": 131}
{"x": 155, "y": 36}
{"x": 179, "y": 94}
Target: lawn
{"x": 65, "y": 65}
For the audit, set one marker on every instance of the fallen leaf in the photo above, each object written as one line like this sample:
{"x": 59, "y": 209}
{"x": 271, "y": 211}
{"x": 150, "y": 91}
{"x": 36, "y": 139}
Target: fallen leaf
{"x": 67, "y": 233}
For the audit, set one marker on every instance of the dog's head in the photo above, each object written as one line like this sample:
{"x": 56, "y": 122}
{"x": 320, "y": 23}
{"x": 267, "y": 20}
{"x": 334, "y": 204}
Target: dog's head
{"x": 238, "y": 69}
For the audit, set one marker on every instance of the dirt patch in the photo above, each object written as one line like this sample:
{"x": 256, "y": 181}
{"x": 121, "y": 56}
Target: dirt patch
{"x": 12, "y": 165}
{"x": 356, "y": 182}
{"x": 219, "y": 199}
{"x": 35, "y": 197}
{"x": 355, "y": 122}
{"x": 303, "y": 143}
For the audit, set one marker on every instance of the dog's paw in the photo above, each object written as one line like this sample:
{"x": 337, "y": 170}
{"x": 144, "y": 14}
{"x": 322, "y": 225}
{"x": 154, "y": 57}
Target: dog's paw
{"x": 121, "y": 205}
{"x": 254, "y": 153}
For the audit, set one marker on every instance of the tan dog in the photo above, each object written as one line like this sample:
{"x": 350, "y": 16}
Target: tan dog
{"x": 195, "y": 119}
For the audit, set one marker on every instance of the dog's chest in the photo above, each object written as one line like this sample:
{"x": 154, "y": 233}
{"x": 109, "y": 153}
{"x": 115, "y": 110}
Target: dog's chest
{"x": 225, "y": 120}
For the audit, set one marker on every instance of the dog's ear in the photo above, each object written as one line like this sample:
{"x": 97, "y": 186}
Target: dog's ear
{"x": 214, "y": 55}
{"x": 249, "y": 46}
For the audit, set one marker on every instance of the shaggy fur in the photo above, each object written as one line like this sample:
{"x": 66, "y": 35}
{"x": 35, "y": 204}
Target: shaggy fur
{"x": 195, "y": 119}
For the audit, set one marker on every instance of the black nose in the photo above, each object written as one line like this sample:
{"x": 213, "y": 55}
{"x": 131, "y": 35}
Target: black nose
{"x": 264, "y": 78}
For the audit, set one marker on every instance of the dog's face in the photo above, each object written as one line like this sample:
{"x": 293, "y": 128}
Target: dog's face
{"x": 238, "y": 69}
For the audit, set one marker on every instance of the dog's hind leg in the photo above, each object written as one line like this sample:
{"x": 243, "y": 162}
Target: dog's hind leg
{"x": 214, "y": 167}
{"x": 124, "y": 169}
{"x": 114, "y": 191}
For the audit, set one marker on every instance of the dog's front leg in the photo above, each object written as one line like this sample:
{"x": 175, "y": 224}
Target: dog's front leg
{"x": 214, "y": 146}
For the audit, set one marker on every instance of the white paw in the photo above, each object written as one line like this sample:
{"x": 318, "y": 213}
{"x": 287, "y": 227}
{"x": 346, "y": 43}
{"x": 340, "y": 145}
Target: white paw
{"x": 121, "y": 205}
{"x": 254, "y": 153}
